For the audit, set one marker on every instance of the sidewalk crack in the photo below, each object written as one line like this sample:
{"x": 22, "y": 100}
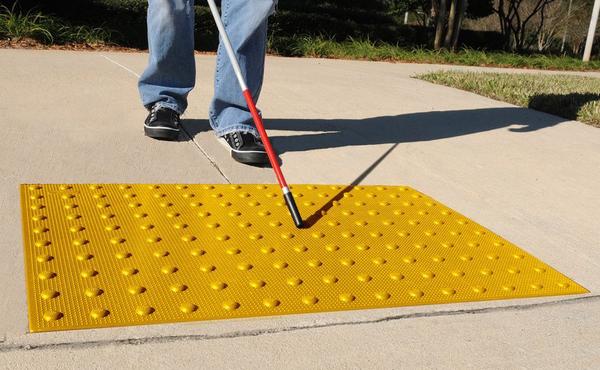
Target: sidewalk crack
{"x": 212, "y": 161}
{"x": 120, "y": 65}
{"x": 260, "y": 332}
{"x": 208, "y": 157}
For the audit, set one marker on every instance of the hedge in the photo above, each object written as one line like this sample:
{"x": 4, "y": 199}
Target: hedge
{"x": 338, "y": 19}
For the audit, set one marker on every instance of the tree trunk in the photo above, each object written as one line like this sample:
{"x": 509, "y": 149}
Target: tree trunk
{"x": 564, "y": 37}
{"x": 452, "y": 15}
{"x": 503, "y": 19}
{"x": 440, "y": 23}
{"x": 435, "y": 10}
{"x": 462, "y": 8}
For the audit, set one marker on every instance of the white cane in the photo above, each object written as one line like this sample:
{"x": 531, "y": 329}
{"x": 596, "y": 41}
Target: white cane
{"x": 287, "y": 194}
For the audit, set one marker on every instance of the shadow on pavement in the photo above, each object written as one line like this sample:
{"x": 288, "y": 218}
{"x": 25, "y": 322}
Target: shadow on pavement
{"x": 411, "y": 127}
{"x": 565, "y": 105}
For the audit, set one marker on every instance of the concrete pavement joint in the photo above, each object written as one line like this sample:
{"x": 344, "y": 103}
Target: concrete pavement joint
{"x": 260, "y": 332}
{"x": 120, "y": 65}
{"x": 212, "y": 161}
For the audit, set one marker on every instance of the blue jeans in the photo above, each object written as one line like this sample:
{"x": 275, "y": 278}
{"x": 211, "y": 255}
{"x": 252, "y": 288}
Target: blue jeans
{"x": 171, "y": 71}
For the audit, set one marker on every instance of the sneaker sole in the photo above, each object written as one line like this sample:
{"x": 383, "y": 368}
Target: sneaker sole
{"x": 161, "y": 133}
{"x": 253, "y": 157}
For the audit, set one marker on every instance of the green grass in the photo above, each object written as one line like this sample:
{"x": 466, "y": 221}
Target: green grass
{"x": 86, "y": 34}
{"x": 16, "y": 25}
{"x": 571, "y": 97}
{"x": 325, "y": 47}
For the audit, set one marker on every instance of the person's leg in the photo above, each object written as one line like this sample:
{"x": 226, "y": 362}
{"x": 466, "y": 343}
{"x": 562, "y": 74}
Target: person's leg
{"x": 171, "y": 71}
{"x": 246, "y": 24}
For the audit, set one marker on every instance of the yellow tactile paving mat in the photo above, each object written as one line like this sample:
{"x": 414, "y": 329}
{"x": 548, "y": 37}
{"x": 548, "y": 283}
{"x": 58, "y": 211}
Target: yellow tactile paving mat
{"x": 111, "y": 255}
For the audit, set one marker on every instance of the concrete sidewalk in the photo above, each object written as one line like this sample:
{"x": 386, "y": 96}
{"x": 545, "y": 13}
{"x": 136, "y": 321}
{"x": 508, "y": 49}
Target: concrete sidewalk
{"x": 531, "y": 177}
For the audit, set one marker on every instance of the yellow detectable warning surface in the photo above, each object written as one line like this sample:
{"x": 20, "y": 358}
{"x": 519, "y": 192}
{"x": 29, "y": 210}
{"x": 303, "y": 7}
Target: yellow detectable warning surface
{"x": 112, "y": 255}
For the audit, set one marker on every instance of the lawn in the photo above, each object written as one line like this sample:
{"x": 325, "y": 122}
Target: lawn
{"x": 323, "y": 47}
{"x": 571, "y": 97}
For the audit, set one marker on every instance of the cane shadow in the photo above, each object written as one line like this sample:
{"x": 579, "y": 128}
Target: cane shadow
{"x": 404, "y": 128}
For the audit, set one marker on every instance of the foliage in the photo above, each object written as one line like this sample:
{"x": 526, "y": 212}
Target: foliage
{"x": 17, "y": 25}
{"x": 480, "y": 8}
{"x": 123, "y": 23}
{"x": 475, "y": 9}
{"x": 521, "y": 21}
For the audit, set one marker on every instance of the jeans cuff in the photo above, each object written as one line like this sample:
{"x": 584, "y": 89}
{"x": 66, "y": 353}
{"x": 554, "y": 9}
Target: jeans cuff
{"x": 239, "y": 127}
{"x": 163, "y": 104}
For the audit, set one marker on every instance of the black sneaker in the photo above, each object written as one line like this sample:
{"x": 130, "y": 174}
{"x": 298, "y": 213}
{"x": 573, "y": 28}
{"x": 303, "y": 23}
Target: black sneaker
{"x": 162, "y": 123}
{"x": 245, "y": 148}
